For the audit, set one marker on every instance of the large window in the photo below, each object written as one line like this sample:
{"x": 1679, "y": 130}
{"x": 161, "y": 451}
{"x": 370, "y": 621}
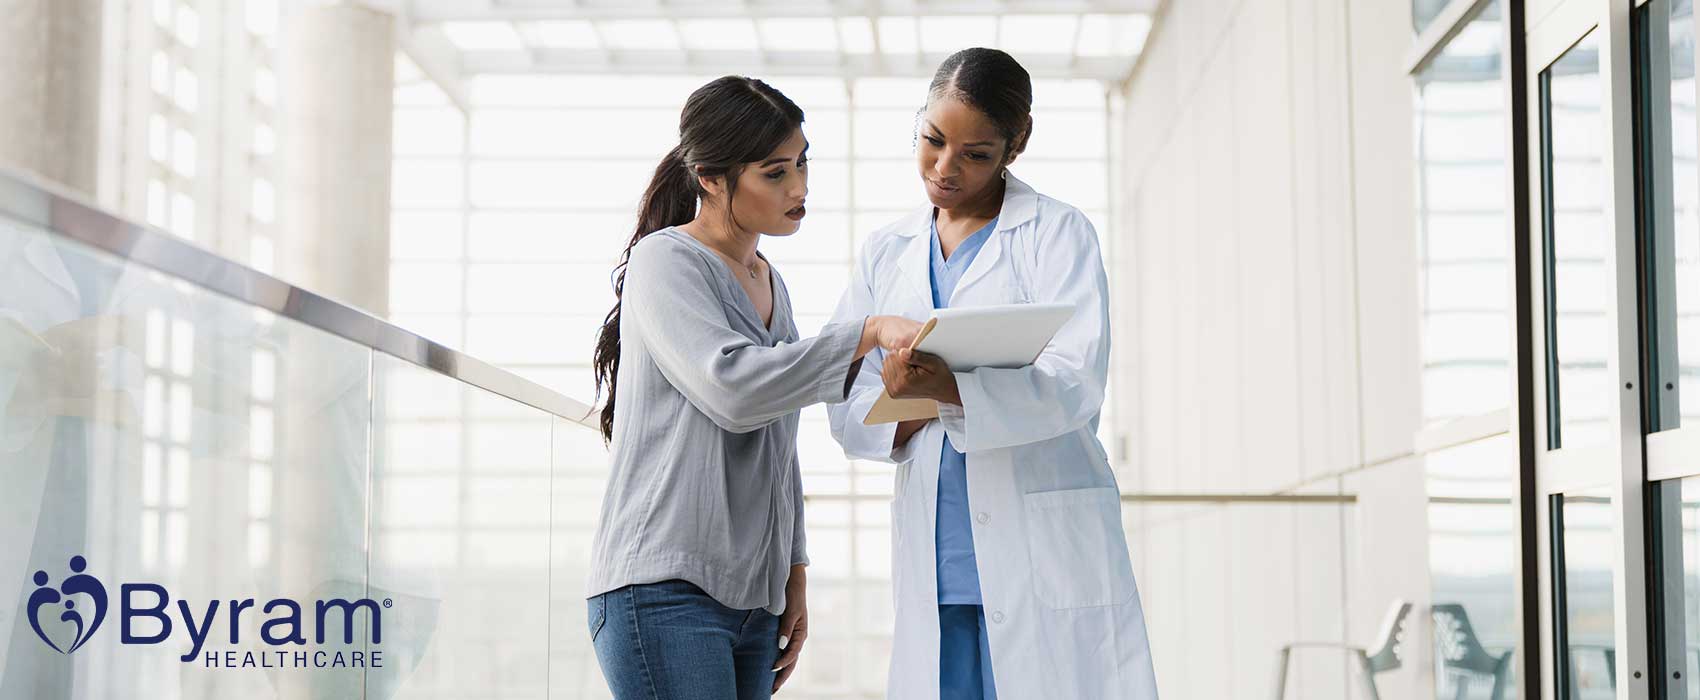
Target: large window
{"x": 1465, "y": 268}
{"x": 198, "y": 118}
{"x": 1582, "y": 595}
{"x": 198, "y": 158}
{"x": 1424, "y": 12}
{"x": 1574, "y": 242}
{"x": 173, "y": 109}
{"x": 1465, "y": 283}
{"x": 1669, "y": 186}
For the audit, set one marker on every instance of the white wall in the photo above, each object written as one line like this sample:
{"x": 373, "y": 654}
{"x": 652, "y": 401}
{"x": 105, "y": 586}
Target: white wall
{"x": 1268, "y": 339}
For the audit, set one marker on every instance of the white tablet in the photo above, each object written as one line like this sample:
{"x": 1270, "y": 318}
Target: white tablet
{"x": 1009, "y": 335}
{"x": 1006, "y": 336}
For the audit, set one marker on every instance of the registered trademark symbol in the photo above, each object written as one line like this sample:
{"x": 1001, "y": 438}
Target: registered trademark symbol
{"x": 388, "y": 603}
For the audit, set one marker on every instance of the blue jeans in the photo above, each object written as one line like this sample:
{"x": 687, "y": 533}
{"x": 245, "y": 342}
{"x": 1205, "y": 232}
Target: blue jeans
{"x": 670, "y": 640}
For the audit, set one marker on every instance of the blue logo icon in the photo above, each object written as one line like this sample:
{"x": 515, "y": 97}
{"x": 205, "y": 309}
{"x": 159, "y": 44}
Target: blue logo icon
{"x": 45, "y": 596}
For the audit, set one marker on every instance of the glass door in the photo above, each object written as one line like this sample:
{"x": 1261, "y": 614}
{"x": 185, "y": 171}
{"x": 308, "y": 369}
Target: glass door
{"x": 1586, "y": 360}
{"x": 1667, "y": 192}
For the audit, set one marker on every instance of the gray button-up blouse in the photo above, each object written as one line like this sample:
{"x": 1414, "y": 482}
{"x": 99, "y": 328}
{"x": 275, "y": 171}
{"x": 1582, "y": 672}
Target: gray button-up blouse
{"x": 704, "y": 484}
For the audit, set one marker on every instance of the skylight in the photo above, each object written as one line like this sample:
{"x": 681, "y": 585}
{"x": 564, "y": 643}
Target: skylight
{"x": 1082, "y": 39}
{"x": 483, "y": 36}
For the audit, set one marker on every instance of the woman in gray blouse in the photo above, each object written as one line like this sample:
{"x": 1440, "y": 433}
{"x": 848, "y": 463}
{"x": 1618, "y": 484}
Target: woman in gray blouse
{"x": 696, "y": 582}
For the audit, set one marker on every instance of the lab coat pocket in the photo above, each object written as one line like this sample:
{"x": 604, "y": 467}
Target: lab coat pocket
{"x": 1078, "y": 551}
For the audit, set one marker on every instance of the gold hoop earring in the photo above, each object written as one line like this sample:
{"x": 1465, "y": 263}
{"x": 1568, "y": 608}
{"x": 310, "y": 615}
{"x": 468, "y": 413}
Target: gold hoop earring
{"x": 1004, "y": 175}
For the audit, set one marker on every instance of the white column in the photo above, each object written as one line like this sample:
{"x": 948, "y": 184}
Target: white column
{"x": 50, "y": 89}
{"x": 339, "y": 79}
{"x": 338, "y": 76}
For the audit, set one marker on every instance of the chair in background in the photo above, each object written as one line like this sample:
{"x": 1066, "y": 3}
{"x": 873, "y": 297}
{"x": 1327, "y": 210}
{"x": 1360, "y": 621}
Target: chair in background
{"x": 1385, "y": 657}
{"x": 1461, "y": 654}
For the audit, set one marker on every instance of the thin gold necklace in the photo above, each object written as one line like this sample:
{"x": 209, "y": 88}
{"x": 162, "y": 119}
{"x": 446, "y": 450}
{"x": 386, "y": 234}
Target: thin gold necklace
{"x": 747, "y": 268}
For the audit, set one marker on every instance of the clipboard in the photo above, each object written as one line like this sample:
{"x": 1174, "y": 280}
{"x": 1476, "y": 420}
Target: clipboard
{"x": 1004, "y": 336}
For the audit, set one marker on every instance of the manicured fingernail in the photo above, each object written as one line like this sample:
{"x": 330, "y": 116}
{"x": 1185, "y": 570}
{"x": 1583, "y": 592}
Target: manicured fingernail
{"x": 784, "y": 641}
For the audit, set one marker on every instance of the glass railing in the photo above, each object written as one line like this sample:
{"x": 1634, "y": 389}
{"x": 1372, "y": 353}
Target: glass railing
{"x": 216, "y": 485}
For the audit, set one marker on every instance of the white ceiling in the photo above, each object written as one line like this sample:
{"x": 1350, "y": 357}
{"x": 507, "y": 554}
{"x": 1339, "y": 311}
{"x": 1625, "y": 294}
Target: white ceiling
{"x": 456, "y": 39}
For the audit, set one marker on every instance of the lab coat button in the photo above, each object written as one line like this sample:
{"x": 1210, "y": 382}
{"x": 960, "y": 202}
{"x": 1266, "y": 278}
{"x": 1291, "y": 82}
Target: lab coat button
{"x": 997, "y": 617}
{"x": 982, "y": 518}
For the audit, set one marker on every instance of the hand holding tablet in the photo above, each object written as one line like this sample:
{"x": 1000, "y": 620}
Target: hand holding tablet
{"x": 1005, "y": 336}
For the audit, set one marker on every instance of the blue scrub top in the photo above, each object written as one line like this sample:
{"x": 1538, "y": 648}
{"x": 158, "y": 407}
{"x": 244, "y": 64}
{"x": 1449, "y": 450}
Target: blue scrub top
{"x": 959, "y": 577}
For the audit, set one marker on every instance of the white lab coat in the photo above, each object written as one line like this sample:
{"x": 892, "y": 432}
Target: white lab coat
{"x": 1060, "y": 601}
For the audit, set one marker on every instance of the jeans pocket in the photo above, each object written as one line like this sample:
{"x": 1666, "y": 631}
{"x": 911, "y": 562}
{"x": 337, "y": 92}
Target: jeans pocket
{"x": 598, "y": 610}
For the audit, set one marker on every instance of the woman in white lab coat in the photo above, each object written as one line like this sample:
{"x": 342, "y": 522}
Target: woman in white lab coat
{"x": 1011, "y": 569}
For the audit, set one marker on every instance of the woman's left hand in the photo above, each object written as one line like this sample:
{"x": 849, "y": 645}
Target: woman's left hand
{"x": 917, "y": 375}
{"x": 793, "y": 625}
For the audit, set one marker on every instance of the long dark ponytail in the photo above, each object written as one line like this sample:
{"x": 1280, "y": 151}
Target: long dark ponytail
{"x": 727, "y": 123}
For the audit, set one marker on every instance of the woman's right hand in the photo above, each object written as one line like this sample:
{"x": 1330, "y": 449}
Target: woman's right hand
{"x": 889, "y": 332}
{"x": 896, "y": 332}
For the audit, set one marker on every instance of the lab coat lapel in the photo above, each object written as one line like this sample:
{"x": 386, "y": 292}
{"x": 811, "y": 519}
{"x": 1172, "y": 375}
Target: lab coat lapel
{"x": 915, "y": 266}
{"x": 982, "y": 264}
{"x": 1019, "y": 205}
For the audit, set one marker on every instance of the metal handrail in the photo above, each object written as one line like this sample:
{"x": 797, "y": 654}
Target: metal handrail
{"x": 57, "y": 212}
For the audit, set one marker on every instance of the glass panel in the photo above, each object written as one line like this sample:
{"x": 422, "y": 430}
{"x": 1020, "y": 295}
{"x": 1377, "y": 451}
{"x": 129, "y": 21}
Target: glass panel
{"x": 1036, "y": 34}
{"x": 639, "y": 34}
{"x": 482, "y": 36}
{"x": 798, "y": 34}
{"x": 857, "y": 34}
{"x": 460, "y": 535}
{"x": 1578, "y": 285}
{"x": 1472, "y": 568}
{"x": 569, "y": 34}
{"x": 1582, "y": 551}
{"x": 427, "y": 132}
{"x": 580, "y": 474}
{"x": 718, "y": 34}
{"x": 643, "y": 134}
{"x": 551, "y": 184}
{"x": 1275, "y": 577}
{"x": 946, "y": 34}
{"x": 1668, "y": 191}
{"x": 1423, "y": 12}
{"x": 1465, "y": 271}
{"x": 1112, "y": 35}
{"x": 1676, "y": 543}
{"x": 1069, "y": 134}
{"x": 897, "y": 35}
{"x": 152, "y": 432}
